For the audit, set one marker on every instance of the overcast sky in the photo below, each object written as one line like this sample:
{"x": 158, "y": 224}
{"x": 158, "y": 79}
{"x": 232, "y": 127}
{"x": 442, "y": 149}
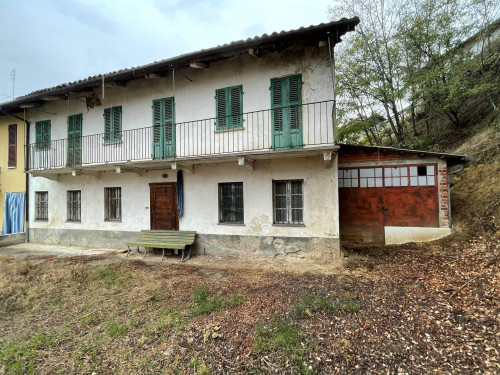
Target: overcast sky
{"x": 49, "y": 42}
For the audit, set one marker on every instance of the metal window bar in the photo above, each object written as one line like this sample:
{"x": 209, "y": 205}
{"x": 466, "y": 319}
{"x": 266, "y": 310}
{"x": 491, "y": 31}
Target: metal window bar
{"x": 112, "y": 204}
{"x": 231, "y": 202}
{"x": 288, "y": 200}
{"x": 74, "y": 205}
{"x": 41, "y": 205}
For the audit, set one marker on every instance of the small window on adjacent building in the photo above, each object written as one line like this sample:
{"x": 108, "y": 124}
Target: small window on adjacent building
{"x": 370, "y": 177}
{"x": 12, "y": 162}
{"x": 74, "y": 205}
{"x": 113, "y": 204}
{"x": 113, "y": 124}
{"x": 395, "y": 176}
{"x": 288, "y": 202}
{"x": 229, "y": 107}
{"x": 42, "y": 134}
{"x": 422, "y": 175}
{"x": 348, "y": 178}
{"x": 231, "y": 203}
{"x": 41, "y": 205}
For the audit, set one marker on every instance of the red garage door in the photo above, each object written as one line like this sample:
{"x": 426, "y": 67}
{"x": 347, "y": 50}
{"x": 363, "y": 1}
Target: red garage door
{"x": 371, "y": 198}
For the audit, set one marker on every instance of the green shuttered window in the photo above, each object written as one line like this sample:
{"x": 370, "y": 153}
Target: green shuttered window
{"x": 229, "y": 107}
{"x": 113, "y": 124}
{"x": 42, "y": 134}
{"x": 231, "y": 203}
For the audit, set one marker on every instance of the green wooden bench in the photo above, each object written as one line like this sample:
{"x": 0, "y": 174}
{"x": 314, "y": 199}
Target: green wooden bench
{"x": 164, "y": 239}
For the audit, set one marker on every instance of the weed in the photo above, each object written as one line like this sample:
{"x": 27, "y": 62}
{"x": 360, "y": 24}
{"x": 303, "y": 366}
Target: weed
{"x": 108, "y": 275}
{"x": 204, "y": 301}
{"x": 198, "y": 367}
{"x": 351, "y": 306}
{"x": 80, "y": 274}
{"x": 115, "y": 329}
{"x": 172, "y": 318}
{"x": 19, "y": 358}
{"x": 278, "y": 335}
{"x": 310, "y": 304}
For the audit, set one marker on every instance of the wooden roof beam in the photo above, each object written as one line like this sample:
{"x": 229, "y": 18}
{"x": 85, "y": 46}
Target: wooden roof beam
{"x": 198, "y": 65}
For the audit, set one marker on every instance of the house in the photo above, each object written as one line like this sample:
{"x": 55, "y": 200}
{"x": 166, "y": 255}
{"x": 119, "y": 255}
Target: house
{"x": 236, "y": 142}
{"x": 12, "y": 177}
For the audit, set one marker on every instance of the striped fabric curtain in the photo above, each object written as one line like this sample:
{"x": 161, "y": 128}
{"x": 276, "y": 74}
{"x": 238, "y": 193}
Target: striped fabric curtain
{"x": 13, "y": 213}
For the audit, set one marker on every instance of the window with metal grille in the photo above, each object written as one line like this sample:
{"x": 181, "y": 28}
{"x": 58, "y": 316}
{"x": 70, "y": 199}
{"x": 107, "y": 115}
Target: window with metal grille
{"x": 112, "y": 204}
{"x": 12, "y": 163}
{"x": 229, "y": 107}
{"x": 74, "y": 205}
{"x": 288, "y": 202}
{"x": 113, "y": 124}
{"x": 42, "y": 134}
{"x": 41, "y": 205}
{"x": 231, "y": 203}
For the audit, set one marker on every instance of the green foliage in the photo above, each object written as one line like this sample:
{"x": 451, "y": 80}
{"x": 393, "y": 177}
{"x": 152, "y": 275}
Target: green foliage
{"x": 408, "y": 60}
{"x": 19, "y": 357}
{"x": 205, "y": 302}
{"x": 312, "y": 303}
{"x": 115, "y": 329}
{"x": 277, "y": 335}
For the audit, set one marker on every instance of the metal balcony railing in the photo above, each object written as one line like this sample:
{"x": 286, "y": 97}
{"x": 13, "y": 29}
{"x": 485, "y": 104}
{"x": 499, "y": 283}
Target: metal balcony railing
{"x": 283, "y": 128}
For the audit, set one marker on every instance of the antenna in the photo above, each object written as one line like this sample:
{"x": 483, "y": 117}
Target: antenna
{"x": 13, "y": 77}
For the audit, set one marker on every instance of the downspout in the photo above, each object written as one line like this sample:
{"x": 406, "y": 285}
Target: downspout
{"x": 331, "y": 53}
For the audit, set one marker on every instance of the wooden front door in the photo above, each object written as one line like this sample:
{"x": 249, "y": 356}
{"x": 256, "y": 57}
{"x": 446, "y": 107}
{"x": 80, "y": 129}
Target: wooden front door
{"x": 163, "y": 204}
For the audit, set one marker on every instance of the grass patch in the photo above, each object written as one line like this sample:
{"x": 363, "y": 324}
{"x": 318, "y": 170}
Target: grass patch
{"x": 172, "y": 318}
{"x": 312, "y": 303}
{"x": 19, "y": 357}
{"x": 110, "y": 276}
{"x": 278, "y": 335}
{"x": 115, "y": 329}
{"x": 204, "y": 301}
{"x": 198, "y": 366}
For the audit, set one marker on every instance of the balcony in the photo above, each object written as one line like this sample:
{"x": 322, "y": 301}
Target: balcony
{"x": 301, "y": 130}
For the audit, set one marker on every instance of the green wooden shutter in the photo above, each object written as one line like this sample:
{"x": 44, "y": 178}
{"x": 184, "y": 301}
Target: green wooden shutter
{"x": 117, "y": 124}
{"x": 107, "y": 125}
{"x": 221, "y": 109}
{"x": 156, "y": 120}
{"x": 277, "y": 104}
{"x": 295, "y": 101}
{"x": 236, "y": 106}
{"x": 38, "y": 134}
{"x": 169, "y": 120}
{"x": 46, "y": 134}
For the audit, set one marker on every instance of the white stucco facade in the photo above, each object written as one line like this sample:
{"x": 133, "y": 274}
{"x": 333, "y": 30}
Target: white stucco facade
{"x": 194, "y": 95}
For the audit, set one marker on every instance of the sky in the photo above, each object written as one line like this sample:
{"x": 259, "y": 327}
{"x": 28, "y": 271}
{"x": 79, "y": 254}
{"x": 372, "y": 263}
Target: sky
{"x": 49, "y": 42}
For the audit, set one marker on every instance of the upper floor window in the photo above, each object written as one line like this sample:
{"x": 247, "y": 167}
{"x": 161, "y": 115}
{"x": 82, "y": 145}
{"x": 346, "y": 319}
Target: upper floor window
{"x": 113, "y": 124}
{"x": 231, "y": 203}
{"x": 41, "y": 205}
{"x": 12, "y": 163}
{"x": 288, "y": 202}
{"x": 42, "y": 134}
{"x": 229, "y": 107}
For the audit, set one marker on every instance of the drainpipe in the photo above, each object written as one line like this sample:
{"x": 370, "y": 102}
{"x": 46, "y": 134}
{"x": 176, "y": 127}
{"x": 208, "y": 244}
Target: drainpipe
{"x": 331, "y": 53}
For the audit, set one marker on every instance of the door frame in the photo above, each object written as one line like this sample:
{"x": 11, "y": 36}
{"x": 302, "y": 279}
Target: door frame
{"x": 151, "y": 207}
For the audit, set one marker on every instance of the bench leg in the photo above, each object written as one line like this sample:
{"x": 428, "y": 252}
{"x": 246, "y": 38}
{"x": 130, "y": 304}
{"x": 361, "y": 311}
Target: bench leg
{"x": 145, "y": 252}
{"x": 130, "y": 250}
{"x": 163, "y": 254}
{"x": 188, "y": 255}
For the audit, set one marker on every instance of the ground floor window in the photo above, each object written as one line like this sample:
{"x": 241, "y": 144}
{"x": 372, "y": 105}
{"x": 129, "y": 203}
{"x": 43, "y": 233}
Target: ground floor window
{"x": 41, "y": 205}
{"x": 74, "y": 199}
{"x": 288, "y": 202}
{"x": 112, "y": 203}
{"x": 231, "y": 203}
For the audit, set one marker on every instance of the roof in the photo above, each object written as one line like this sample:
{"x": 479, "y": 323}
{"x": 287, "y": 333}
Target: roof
{"x": 451, "y": 159}
{"x": 259, "y": 45}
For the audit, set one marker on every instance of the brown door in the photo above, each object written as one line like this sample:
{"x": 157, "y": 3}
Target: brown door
{"x": 163, "y": 201}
